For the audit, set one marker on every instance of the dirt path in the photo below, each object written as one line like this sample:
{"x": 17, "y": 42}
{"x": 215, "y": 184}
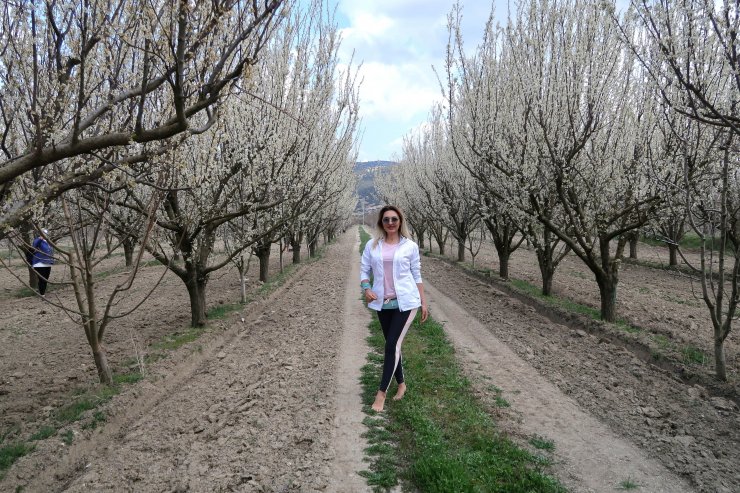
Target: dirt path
{"x": 590, "y": 457}
{"x": 269, "y": 400}
{"x": 694, "y": 435}
{"x": 256, "y": 411}
{"x": 348, "y": 427}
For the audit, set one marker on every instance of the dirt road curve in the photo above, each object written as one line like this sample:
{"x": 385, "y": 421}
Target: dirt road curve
{"x": 591, "y": 457}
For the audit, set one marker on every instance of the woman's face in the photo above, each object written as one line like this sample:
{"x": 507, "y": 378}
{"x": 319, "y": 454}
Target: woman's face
{"x": 391, "y": 221}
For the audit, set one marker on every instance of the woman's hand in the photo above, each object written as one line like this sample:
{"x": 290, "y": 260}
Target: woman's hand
{"x": 370, "y": 295}
{"x": 424, "y": 312}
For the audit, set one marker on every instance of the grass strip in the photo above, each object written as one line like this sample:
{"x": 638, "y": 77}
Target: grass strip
{"x": 689, "y": 354}
{"x": 221, "y": 311}
{"x": 364, "y": 238}
{"x": 11, "y": 453}
{"x": 690, "y": 241}
{"x": 85, "y": 402}
{"x": 439, "y": 438}
{"x": 568, "y": 305}
{"x": 177, "y": 339}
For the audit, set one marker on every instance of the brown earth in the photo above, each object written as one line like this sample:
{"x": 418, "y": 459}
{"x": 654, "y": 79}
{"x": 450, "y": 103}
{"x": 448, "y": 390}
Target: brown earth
{"x": 254, "y": 404}
{"x": 694, "y": 429}
{"x": 587, "y": 455}
{"x": 248, "y": 406}
{"x": 667, "y": 304}
{"x": 44, "y": 355}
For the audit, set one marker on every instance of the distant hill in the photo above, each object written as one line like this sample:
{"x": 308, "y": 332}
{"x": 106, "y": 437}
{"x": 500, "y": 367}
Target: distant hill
{"x": 364, "y": 165}
{"x": 366, "y": 171}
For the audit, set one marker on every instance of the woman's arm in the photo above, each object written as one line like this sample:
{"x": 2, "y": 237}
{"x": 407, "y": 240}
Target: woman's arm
{"x": 365, "y": 270}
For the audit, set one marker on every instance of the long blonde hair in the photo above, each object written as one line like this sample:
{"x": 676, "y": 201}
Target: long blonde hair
{"x": 380, "y": 232}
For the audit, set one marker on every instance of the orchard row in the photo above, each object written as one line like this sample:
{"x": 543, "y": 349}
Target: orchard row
{"x": 577, "y": 128}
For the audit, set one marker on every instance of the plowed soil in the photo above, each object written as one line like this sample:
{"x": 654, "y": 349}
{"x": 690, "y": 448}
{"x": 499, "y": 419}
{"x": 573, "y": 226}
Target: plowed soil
{"x": 267, "y": 398}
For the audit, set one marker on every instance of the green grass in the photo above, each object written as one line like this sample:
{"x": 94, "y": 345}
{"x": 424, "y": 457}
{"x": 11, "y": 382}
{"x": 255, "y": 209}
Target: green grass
{"x": 692, "y": 354}
{"x": 662, "y": 341}
{"x": 25, "y": 292}
{"x": 44, "y": 433}
{"x": 568, "y": 305}
{"x": 542, "y": 443}
{"x": 689, "y": 354}
{"x": 67, "y": 437}
{"x": 439, "y": 438}
{"x": 11, "y": 453}
{"x": 178, "y": 339}
{"x": 221, "y": 311}
{"x": 364, "y": 238}
{"x": 501, "y": 402}
{"x": 628, "y": 484}
{"x": 74, "y": 411}
{"x": 690, "y": 241}
{"x": 97, "y": 418}
{"x": 127, "y": 378}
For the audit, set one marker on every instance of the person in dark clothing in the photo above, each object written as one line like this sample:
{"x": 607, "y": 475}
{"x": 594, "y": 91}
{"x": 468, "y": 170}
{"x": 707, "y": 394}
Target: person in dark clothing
{"x": 42, "y": 259}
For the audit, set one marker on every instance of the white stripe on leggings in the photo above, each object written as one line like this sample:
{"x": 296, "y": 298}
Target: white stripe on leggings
{"x": 409, "y": 320}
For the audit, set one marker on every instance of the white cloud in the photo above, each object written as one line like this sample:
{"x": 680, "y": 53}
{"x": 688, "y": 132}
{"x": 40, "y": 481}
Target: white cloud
{"x": 398, "y": 42}
{"x": 397, "y": 92}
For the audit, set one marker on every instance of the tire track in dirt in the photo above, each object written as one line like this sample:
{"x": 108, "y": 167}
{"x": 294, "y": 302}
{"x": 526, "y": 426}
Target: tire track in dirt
{"x": 258, "y": 414}
{"x": 348, "y": 426}
{"x": 590, "y": 457}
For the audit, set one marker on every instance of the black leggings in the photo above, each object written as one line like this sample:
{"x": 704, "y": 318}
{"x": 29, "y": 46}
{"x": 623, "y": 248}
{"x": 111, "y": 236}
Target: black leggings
{"x": 43, "y": 274}
{"x": 395, "y": 324}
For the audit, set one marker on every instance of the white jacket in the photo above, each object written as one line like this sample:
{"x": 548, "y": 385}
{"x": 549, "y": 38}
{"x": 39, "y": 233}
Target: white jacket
{"x": 406, "y": 273}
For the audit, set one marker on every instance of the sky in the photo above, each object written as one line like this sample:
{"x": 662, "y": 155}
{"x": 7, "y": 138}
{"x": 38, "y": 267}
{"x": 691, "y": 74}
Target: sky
{"x": 398, "y": 42}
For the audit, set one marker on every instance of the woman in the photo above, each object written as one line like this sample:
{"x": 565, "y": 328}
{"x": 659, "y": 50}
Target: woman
{"x": 396, "y": 294}
{"x": 42, "y": 258}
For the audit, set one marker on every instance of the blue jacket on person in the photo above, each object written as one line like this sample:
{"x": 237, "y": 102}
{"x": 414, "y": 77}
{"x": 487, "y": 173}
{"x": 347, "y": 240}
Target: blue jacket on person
{"x": 42, "y": 252}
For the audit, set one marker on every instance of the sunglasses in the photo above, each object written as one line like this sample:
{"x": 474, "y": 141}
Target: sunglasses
{"x": 390, "y": 219}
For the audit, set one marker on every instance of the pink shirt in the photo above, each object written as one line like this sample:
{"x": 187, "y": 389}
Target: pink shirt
{"x": 389, "y": 289}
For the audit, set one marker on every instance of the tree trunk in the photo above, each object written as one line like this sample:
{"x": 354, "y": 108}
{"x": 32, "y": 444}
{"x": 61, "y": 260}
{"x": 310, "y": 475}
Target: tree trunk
{"x": 503, "y": 261}
{"x": 547, "y": 277}
{"x": 242, "y": 286}
{"x": 547, "y": 271}
{"x": 633, "y": 247}
{"x": 108, "y": 241}
{"x": 197, "y": 294}
{"x": 128, "y": 251}
{"x": 312, "y": 244}
{"x": 720, "y": 366}
{"x": 460, "y": 251}
{"x": 280, "y": 249}
{"x": 441, "y": 246}
{"x": 101, "y": 364}
{"x": 296, "y": 246}
{"x": 263, "y": 254}
{"x": 673, "y": 255}
{"x": 546, "y": 263}
{"x": 608, "y": 292}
